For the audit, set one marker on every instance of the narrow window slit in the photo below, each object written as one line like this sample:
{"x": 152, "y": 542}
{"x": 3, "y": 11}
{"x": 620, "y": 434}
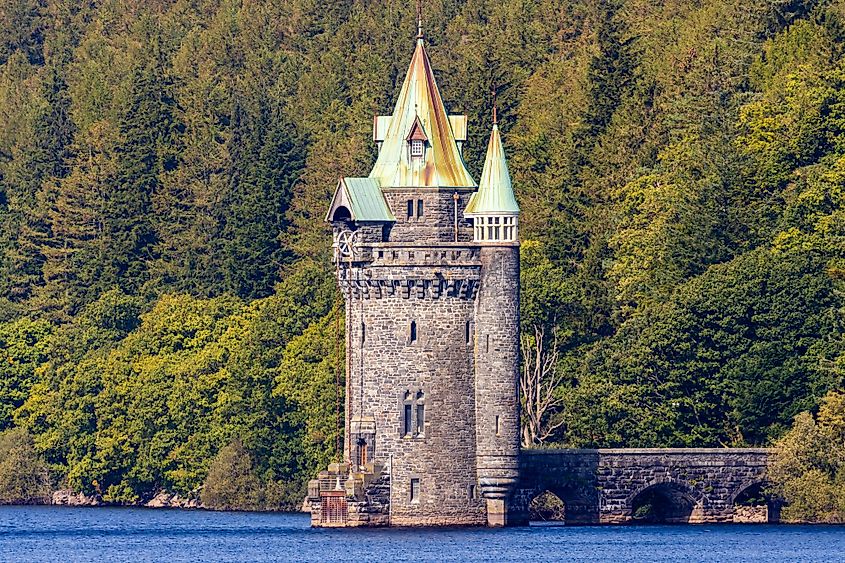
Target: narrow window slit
{"x": 415, "y": 490}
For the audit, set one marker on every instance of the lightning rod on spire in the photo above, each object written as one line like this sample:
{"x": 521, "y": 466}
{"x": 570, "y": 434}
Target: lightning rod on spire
{"x": 419, "y": 20}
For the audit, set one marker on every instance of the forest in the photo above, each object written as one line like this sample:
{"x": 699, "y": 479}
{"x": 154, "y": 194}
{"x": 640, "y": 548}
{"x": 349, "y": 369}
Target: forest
{"x": 167, "y": 302}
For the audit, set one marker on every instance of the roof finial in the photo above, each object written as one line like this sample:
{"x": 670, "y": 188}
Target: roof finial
{"x": 419, "y": 20}
{"x": 495, "y": 118}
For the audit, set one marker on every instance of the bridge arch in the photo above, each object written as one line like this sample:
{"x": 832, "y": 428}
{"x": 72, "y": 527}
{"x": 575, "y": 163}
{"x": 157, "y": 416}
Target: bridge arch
{"x": 665, "y": 500}
{"x": 747, "y": 486}
{"x": 547, "y": 506}
{"x": 752, "y": 503}
{"x": 578, "y": 499}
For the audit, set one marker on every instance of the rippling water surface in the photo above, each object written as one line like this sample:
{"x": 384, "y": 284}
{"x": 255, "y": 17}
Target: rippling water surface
{"x": 132, "y": 534}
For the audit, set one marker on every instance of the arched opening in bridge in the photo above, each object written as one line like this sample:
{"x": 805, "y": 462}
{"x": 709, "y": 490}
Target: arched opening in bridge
{"x": 547, "y": 509}
{"x": 664, "y": 503}
{"x": 755, "y": 505}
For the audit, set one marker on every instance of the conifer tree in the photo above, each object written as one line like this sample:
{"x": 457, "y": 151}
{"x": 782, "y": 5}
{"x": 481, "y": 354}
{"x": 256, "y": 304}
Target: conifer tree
{"x": 39, "y": 159}
{"x": 146, "y": 150}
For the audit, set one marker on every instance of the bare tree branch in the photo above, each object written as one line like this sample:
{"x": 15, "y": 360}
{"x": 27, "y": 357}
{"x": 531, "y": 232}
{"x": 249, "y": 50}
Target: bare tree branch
{"x": 539, "y": 381}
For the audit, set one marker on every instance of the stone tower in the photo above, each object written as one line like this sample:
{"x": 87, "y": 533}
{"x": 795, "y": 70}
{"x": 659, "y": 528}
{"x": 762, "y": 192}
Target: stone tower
{"x": 428, "y": 263}
{"x": 495, "y": 216}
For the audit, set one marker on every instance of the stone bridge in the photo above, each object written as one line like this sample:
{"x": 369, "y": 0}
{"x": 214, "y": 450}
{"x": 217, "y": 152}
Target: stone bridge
{"x": 613, "y": 486}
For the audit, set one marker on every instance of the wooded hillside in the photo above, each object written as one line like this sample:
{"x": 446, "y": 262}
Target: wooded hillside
{"x": 165, "y": 286}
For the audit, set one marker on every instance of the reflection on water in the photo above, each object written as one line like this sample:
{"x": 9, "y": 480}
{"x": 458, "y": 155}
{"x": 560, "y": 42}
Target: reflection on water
{"x": 133, "y": 534}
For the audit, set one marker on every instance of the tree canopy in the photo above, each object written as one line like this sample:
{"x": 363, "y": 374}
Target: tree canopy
{"x": 165, "y": 287}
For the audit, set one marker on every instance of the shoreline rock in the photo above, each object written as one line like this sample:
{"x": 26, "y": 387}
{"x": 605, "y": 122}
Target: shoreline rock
{"x": 167, "y": 500}
{"x": 67, "y": 497}
{"x": 162, "y": 499}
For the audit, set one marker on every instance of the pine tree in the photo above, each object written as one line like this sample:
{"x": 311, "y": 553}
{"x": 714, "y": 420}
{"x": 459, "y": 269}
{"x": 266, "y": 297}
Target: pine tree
{"x": 146, "y": 125}
{"x": 266, "y": 157}
{"x": 39, "y": 160}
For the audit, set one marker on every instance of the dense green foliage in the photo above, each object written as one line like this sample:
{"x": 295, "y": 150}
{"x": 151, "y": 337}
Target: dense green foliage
{"x": 231, "y": 483}
{"x": 165, "y": 289}
{"x": 809, "y": 470}
{"x": 23, "y": 475}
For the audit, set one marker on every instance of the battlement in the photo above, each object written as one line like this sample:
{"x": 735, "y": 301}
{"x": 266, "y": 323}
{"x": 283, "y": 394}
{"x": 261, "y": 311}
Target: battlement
{"x": 406, "y": 271}
{"x": 437, "y": 255}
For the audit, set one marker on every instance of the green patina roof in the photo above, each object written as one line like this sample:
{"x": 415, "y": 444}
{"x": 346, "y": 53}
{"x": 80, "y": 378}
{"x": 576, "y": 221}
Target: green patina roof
{"x": 419, "y": 102}
{"x": 363, "y": 198}
{"x": 495, "y": 192}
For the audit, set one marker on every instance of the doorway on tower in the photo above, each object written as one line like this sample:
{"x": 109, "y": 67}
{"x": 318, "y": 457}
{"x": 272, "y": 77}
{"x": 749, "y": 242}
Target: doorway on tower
{"x": 362, "y": 446}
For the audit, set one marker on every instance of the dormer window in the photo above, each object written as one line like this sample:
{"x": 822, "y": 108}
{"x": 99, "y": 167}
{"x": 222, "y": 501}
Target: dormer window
{"x": 416, "y": 140}
{"x": 417, "y": 148}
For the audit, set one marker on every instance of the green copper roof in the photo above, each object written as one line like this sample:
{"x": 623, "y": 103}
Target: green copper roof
{"x": 362, "y": 198}
{"x": 419, "y": 100}
{"x": 495, "y": 192}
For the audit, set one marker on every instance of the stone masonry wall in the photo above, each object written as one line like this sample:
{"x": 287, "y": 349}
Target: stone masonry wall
{"x": 497, "y": 371}
{"x": 437, "y": 293}
{"x": 437, "y": 223}
{"x": 601, "y": 486}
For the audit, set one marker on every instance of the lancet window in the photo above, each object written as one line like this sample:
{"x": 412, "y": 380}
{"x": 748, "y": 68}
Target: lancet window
{"x": 413, "y": 414}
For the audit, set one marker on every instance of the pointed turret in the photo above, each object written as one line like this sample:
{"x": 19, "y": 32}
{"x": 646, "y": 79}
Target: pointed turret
{"x": 493, "y": 207}
{"x": 418, "y": 145}
{"x": 494, "y": 215}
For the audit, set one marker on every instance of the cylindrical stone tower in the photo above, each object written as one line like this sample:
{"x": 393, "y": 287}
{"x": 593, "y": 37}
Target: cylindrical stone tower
{"x": 496, "y": 378}
{"x": 495, "y": 221}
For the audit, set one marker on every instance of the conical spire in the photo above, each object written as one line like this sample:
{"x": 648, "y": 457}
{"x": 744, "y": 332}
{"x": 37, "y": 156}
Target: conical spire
{"x": 495, "y": 192}
{"x": 441, "y": 164}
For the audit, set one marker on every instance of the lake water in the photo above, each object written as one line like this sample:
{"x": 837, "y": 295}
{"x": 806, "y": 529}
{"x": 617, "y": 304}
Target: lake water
{"x": 134, "y": 534}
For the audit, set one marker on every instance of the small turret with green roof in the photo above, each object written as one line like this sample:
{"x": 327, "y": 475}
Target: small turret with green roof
{"x": 493, "y": 207}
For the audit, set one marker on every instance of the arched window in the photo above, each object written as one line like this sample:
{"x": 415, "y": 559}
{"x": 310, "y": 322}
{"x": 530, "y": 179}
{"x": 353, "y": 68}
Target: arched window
{"x": 342, "y": 214}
